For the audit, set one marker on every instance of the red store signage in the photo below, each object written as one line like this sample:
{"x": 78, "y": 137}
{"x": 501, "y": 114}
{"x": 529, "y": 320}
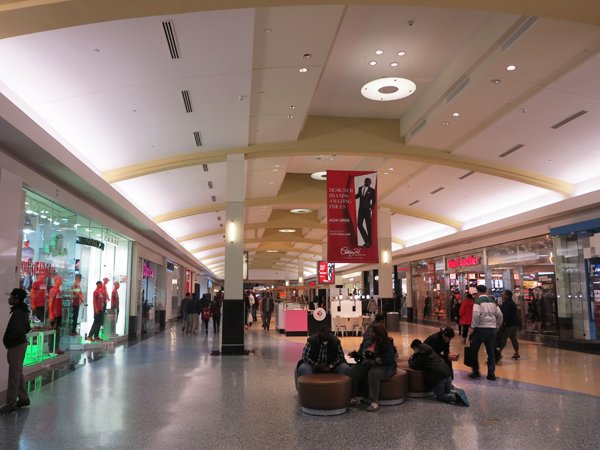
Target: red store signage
{"x": 463, "y": 261}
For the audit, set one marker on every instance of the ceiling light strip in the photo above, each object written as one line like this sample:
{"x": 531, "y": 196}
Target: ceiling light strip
{"x": 568, "y": 119}
{"x": 169, "y": 30}
{"x": 511, "y": 150}
{"x": 186, "y": 101}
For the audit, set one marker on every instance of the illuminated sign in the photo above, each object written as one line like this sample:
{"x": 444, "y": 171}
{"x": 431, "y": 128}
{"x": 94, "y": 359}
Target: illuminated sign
{"x": 463, "y": 261}
{"x": 326, "y": 272}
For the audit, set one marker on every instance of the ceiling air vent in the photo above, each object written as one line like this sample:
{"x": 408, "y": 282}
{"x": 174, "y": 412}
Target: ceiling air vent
{"x": 186, "y": 101}
{"x": 169, "y": 29}
{"x": 568, "y": 119}
{"x": 210, "y": 184}
{"x": 437, "y": 190}
{"x": 468, "y": 174}
{"x": 511, "y": 150}
{"x": 518, "y": 32}
{"x": 463, "y": 84}
{"x": 414, "y": 203}
{"x": 205, "y": 167}
{"x": 418, "y": 127}
{"x": 213, "y": 198}
{"x": 198, "y": 139}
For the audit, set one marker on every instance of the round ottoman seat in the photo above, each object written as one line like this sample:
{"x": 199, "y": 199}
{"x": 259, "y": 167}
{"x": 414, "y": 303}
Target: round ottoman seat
{"x": 394, "y": 389}
{"x": 417, "y": 388}
{"x": 324, "y": 394}
{"x": 402, "y": 361}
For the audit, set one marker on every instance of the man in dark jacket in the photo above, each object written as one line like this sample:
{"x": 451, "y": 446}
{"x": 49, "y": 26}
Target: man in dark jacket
{"x": 323, "y": 354}
{"x": 183, "y": 309}
{"x": 440, "y": 343}
{"x": 15, "y": 341}
{"x": 194, "y": 310}
{"x": 510, "y": 325}
{"x": 437, "y": 373}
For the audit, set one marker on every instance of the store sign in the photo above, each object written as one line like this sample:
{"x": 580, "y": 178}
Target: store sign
{"x": 326, "y": 272}
{"x": 319, "y": 314}
{"x": 89, "y": 242}
{"x": 463, "y": 261}
{"x": 352, "y": 217}
{"x": 170, "y": 266}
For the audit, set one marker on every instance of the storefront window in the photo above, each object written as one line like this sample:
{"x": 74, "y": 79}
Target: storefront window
{"x": 69, "y": 252}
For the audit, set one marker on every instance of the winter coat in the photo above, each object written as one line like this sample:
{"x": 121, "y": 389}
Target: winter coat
{"x": 486, "y": 313}
{"x": 437, "y": 343}
{"x": 18, "y": 326}
{"x": 509, "y": 311}
{"x": 433, "y": 366}
{"x": 466, "y": 311}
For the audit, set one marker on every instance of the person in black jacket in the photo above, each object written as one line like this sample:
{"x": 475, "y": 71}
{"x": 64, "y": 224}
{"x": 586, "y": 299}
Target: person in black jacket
{"x": 15, "y": 341}
{"x": 510, "y": 326}
{"x": 440, "y": 343}
{"x": 437, "y": 373}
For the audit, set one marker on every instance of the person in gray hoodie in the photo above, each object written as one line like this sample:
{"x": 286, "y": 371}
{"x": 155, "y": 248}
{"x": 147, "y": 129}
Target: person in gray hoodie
{"x": 486, "y": 318}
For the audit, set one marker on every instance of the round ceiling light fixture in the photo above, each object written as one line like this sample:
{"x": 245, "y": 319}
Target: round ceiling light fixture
{"x": 272, "y": 251}
{"x": 388, "y": 89}
{"x": 286, "y": 230}
{"x": 321, "y": 176}
{"x": 300, "y": 211}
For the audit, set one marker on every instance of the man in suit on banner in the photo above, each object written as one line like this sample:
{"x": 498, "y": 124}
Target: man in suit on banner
{"x": 366, "y": 194}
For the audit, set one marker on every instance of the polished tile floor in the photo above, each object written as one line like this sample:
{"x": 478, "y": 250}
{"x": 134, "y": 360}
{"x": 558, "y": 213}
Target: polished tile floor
{"x": 167, "y": 392}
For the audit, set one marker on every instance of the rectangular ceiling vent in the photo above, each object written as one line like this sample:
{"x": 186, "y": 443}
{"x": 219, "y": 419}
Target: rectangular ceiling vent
{"x": 418, "y": 127}
{"x": 210, "y": 184}
{"x": 463, "y": 84}
{"x": 518, "y": 32}
{"x": 198, "y": 139}
{"x": 205, "y": 167}
{"x": 413, "y": 203}
{"x": 169, "y": 29}
{"x": 568, "y": 119}
{"x": 437, "y": 190}
{"x": 213, "y": 198}
{"x": 511, "y": 150}
{"x": 186, "y": 101}
{"x": 466, "y": 175}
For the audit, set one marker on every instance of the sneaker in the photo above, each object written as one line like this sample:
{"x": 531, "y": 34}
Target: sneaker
{"x": 8, "y": 408}
{"x": 21, "y": 403}
{"x": 373, "y": 407}
{"x": 516, "y": 356}
{"x": 462, "y": 397}
{"x": 474, "y": 375}
{"x": 354, "y": 401}
{"x": 491, "y": 377}
{"x": 453, "y": 400}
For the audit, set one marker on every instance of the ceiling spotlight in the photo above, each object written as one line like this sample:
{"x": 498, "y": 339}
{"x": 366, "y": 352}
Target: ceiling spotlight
{"x": 511, "y": 68}
{"x": 394, "y": 64}
{"x": 307, "y": 56}
{"x": 445, "y": 123}
{"x": 379, "y": 52}
{"x": 290, "y": 116}
{"x": 387, "y": 89}
{"x": 275, "y": 170}
{"x": 386, "y": 173}
{"x": 272, "y": 251}
{"x": 286, "y": 230}
{"x": 292, "y": 106}
{"x": 372, "y": 63}
{"x": 321, "y": 176}
{"x": 302, "y": 70}
{"x": 401, "y": 53}
{"x": 391, "y": 169}
{"x": 455, "y": 114}
{"x": 495, "y": 81}
{"x": 300, "y": 211}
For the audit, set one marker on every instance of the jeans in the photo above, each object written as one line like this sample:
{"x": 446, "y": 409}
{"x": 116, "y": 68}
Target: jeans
{"x": 74, "y": 318}
{"x": 216, "y": 323}
{"x": 487, "y": 337}
{"x": 442, "y": 390}
{"x": 184, "y": 320}
{"x": 506, "y": 333}
{"x": 266, "y": 318}
{"x": 16, "y": 382}
{"x": 374, "y": 375}
{"x": 307, "y": 369}
{"x": 98, "y": 322}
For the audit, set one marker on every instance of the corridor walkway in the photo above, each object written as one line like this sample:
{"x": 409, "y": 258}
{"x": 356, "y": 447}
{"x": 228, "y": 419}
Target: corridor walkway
{"x": 167, "y": 392}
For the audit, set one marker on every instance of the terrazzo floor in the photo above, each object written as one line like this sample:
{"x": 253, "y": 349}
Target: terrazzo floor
{"x": 167, "y": 392}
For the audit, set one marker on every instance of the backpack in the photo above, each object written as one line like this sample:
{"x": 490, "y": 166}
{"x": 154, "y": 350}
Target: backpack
{"x": 206, "y": 314}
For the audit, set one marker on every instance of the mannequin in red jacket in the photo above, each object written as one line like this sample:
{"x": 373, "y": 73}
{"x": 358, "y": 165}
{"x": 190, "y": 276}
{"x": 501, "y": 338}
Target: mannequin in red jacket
{"x": 76, "y": 302}
{"x": 99, "y": 304}
{"x": 38, "y": 297}
{"x": 55, "y": 307}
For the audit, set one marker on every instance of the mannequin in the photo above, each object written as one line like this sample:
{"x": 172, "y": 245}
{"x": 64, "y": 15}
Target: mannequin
{"x": 104, "y": 283}
{"x": 114, "y": 299}
{"x": 99, "y": 305}
{"x": 76, "y": 303}
{"x": 38, "y": 297}
{"x": 55, "y": 306}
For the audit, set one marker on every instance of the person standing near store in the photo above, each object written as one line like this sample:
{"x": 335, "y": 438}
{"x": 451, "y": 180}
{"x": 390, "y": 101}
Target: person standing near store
{"x": 510, "y": 325}
{"x": 486, "y": 318}
{"x": 183, "y": 310}
{"x": 266, "y": 309}
{"x": 193, "y": 313}
{"x": 76, "y": 301}
{"x": 215, "y": 311}
{"x": 55, "y": 312}
{"x": 253, "y": 306}
{"x": 466, "y": 315}
{"x": 15, "y": 341}
{"x": 98, "y": 302}
{"x": 114, "y": 299}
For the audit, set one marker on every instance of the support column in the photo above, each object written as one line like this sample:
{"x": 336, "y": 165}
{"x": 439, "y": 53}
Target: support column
{"x": 300, "y": 271}
{"x": 232, "y": 339}
{"x": 386, "y": 293}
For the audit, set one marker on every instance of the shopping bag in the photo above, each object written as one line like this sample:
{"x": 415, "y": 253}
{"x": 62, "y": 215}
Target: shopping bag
{"x": 470, "y": 358}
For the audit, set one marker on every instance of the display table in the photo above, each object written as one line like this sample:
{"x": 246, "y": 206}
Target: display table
{"x": 39, "y": 343}
{"x": 296, "y": 322}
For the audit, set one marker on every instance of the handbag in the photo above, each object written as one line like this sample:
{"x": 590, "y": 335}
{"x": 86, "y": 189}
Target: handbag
{"x": 470, "y": 358}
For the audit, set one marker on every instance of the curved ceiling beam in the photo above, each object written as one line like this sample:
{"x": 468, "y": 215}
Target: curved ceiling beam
{"x": 348, "y": 136}
{"x": 423, "y": 215}
{"x": 277, "y": 245}
{"x": 23, "y": 17}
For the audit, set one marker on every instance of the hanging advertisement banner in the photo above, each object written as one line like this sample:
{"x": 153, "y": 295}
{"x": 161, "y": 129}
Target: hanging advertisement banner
{"x": 352, "y": 217}
{"x": 326, "y": 272}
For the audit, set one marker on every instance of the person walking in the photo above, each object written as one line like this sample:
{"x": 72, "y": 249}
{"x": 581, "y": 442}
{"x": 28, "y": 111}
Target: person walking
{"x": 510, "y": 326}
{"x": 486, "y": 318}
{"x": 15, "y": 341}
{"x": 215, "y": 311}
{"x": 194, "y": 310}
{"x": 266, "y": 309}
{"x": 183, "y": 310}
{"x": 466, "y": 316}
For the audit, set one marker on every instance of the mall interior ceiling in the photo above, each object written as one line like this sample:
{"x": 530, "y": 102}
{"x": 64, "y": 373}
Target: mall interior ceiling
{"x": 484, "y": 115}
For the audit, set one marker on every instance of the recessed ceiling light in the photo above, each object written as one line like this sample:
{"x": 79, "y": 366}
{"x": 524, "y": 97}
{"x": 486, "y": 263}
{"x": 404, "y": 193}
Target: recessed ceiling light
{"x": 307, "y": 56}
{"x": 302, "y": 70}
{"x": 276, "y": 166}
{"x": 321, "y": 176}
{"x": 387, "y": 89}
{"x": 445, "y": 123}
{"x": 379, "y": 52}
{"x": 290, "y": 116}
{"x": 401, "y": 53}
{"x": 394, "y": 64}
{"x": 391, "y": 169}
{"x": 275, "y": 170}
{"x": 495, "y": 81}
{"x": 292, "y": 106}
{"x": 455, "y": 114}
{"x": 286, "y": 230}
{"x": 300, "y": 211}
{"x": 372, "y": 63}
{"x": 386, "y": 173}
{"x": 511, "y": 68}
{"x": 272, "y": 251}
{"x": 268, "y": 30}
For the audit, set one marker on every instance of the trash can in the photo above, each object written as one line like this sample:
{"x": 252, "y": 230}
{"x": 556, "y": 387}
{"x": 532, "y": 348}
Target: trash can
{"x": 109, "y": 324}
{"x": 392, "y": 320}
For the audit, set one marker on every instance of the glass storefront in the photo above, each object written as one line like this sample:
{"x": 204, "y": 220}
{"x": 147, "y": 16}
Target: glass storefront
{"x": 64, "y": 254}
